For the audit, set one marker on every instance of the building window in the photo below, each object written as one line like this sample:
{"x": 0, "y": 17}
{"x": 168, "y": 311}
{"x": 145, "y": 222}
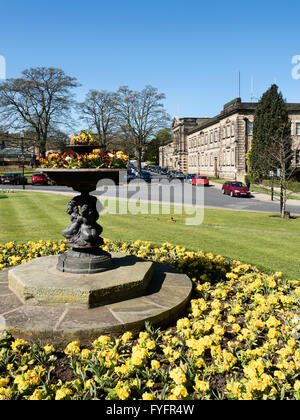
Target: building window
{"x": 228, "y": 131}
{"x": 297, "y": 128}
{"x": 250, "y": 128}
{"x": 298, "y": 157}
{"x": 232, "y": 129}
{"x": 228, "y": 158}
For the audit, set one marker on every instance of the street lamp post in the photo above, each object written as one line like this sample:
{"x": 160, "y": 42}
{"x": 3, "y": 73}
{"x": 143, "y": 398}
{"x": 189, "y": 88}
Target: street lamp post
{"x": 271, "y": 174}
{"x": 23, "y": 159}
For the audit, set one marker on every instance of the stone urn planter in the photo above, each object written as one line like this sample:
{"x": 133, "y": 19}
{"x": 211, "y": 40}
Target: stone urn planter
{"x": 83, "y": 234}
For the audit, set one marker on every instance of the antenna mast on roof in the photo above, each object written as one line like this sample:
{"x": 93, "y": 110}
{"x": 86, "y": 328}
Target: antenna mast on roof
{"x": 252, "y": 90}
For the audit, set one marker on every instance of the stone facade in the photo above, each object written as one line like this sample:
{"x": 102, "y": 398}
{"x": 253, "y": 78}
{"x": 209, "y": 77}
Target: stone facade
{"x": 218, "y": 146}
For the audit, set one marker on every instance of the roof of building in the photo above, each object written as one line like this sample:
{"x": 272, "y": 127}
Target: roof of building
{"x": 9, "y": 151}
{"x": 236, "y": 105}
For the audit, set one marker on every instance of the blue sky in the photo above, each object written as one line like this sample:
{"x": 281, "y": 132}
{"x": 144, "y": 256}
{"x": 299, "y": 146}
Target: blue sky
{"x": 190, "y": 50}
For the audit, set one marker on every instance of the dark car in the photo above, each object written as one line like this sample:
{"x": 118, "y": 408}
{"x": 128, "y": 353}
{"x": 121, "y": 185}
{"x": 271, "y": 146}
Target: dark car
{"x": 39, "y": 178}
{"x": 179, "y": 175}
{"x": 14, "y": 179}
{"x": 189, "y": 177}
{"x": 171, "y": 174}
{"x": 163, "y": 171}
{"x": 130, "y": 176}
{"x": 235, "y": 189}
{"x": 146, "y": 176}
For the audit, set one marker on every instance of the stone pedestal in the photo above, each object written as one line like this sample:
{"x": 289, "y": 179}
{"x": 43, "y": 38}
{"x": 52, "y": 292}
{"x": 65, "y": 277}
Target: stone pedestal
{"x": 40, "y": 280}
{"x": 38, "y": 302}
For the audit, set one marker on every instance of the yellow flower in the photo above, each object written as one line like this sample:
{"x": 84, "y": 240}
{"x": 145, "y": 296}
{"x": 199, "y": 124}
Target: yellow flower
{"x": 122, "y": 370}
{"x": 22, "y": 384}
{"x": 72, "y": 348}
{"x": 201, "y": 386}
{"x": 147, "y": 396}
{"x": 63, "y": 394}
{"x": 183, "y": 323}
{"x": 155, "y": 364}
{"x": 297, "y": 386}
{"x": 280, "y": 375}
{"x": 49, "y": 349}
{"x": 178, "y": 376}
{"x": 17, "y": 344}
{"x": 180, "y": 391}
{"x": 139, "y": 354}
{"x": 126, "y": 337}
{"x": 37, "y": 395}
{"x": 149, "y": 383}
{"x": 123, "y": 391}
{"x": 4, "y": 381}
{"x": 85, "y": 353}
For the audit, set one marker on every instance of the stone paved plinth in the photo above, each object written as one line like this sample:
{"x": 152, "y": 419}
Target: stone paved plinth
{"x": 164, "y": 300}
{"x": 40, "y": 280}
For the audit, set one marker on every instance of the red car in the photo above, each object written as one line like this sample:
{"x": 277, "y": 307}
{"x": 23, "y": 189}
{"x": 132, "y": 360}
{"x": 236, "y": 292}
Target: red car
{"x": 39, "y": 178}
{"x": 235, "y": 189}
{"x": 200, "y": 180}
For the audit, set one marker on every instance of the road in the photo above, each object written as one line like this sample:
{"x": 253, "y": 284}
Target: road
{"x": 161, "y": 191}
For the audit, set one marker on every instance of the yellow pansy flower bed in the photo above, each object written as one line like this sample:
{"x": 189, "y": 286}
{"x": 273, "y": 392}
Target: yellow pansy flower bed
{"x": 239, "y": 339}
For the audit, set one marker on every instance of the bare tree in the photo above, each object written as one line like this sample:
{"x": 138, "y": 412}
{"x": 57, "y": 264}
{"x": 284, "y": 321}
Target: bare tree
{"x": 39, "y": 101}
{"x": 100, "y": 113}
{"x": 141, "y": 115}
{"x": 279, "y": 158}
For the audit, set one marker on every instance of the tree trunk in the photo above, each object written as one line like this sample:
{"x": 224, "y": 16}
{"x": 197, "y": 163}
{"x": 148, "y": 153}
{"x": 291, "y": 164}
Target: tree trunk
{"x": 283, "y": 198}
{"x": 140, "y": 153}
{"x": 43, "y": 148}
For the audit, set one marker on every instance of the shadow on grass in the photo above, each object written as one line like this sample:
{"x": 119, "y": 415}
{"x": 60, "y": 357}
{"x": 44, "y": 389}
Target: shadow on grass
{"x": 3, "y": 196}
{"x": 278, "y": 216}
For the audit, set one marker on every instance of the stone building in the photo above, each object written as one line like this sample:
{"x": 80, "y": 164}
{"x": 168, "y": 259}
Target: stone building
{"x": 218, "y": 146}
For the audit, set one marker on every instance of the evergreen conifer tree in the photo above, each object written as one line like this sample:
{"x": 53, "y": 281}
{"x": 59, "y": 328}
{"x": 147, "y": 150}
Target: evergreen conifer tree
{"x": 271, "y": 148}
{"x": 270, "y": 117}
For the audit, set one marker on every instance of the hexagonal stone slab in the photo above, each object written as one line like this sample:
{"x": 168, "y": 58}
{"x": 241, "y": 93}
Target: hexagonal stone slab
{"x": 40, "y": 280}
{"x": 162, "y": 303}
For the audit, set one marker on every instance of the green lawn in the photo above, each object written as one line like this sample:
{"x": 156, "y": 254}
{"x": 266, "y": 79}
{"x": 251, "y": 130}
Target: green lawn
{"x": 33, "y": 216}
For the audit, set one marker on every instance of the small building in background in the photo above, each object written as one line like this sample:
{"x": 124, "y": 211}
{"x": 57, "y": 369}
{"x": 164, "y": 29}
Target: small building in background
{"x": 13, "y": 157}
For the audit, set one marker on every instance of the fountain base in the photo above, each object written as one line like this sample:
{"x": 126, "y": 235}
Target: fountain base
{"x": 89, "y": 261}
{"x": 38, "y": 302}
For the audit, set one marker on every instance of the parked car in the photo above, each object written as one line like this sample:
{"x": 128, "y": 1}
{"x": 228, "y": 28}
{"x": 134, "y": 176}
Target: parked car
{"x": 14, "y": 179}
{"x": 179, "y": 175}
{"x": 39, "y": 178}
{"x": 130, "y": 176}
{"x": 171, "y": 174}
{"x": 146, "y": 176}
{"x": 200, "y": 180}
{"x": 235, "y": 189}
{"x": 189, "y": 177}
